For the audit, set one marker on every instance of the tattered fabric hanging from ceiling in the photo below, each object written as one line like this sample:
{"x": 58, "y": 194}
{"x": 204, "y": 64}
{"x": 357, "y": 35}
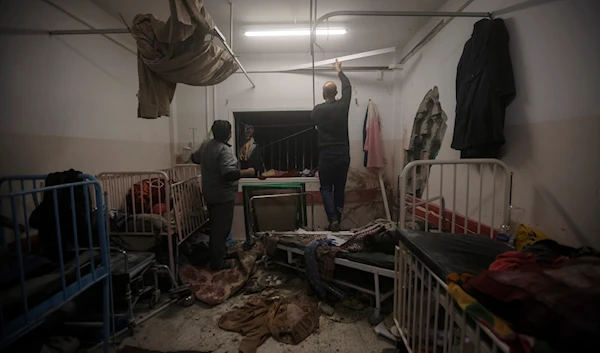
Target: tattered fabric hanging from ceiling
{"x": 176, "y": 52}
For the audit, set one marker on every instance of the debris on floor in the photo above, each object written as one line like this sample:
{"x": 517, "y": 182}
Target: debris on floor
{"x": 326, "y": 309}
{"x": 288, "y": 319}
{"x": 270, "y": 279}
{"x": 130, "y": 349}
{"x": 382, "y": 330}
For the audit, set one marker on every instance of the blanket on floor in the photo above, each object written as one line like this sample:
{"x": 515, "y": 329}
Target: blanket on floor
{"x": 130, "y": 349}
{"x": 215, "y": 287}
{"x": 289, "y": 320}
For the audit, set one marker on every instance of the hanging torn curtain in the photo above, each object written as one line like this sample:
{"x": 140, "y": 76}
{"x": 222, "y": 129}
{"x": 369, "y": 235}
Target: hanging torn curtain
{"x": 176, "y": 52}
{"x": 426, "y": 139}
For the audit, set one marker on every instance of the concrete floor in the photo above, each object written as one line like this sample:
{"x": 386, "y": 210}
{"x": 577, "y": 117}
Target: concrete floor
{"x": 195, "y": 328}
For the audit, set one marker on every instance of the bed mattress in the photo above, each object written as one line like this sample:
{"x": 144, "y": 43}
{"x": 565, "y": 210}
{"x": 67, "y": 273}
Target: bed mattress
{"x": 443, "y": 253}
{"x": 446, "y": 253}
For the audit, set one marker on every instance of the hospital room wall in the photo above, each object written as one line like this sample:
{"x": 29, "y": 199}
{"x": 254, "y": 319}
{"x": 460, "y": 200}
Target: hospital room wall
{"x": 292, "y": 91}
{"x": 288, "y": 91}
{"x": 552, "y": 126}
{"x": 70, "y": 101}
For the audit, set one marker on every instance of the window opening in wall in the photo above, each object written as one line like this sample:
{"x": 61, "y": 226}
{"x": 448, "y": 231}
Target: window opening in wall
{"x": 277, "y": 143}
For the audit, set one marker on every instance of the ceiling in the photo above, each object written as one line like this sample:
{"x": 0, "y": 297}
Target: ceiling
{"x": 364, "y": 33}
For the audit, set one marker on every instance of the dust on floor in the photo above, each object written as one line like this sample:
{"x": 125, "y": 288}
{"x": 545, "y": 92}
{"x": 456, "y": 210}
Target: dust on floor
{"x": 196, "y": 328}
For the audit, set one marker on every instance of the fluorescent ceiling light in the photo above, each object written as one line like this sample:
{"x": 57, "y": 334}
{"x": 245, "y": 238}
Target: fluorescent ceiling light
{"x": 297, "y": 32}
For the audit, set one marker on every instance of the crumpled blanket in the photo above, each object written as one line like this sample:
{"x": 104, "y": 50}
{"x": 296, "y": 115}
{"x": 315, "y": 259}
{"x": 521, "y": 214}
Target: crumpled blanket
{"x": 215, "y": 287}
{"x": 289, "y": 320}
{"x": 176, "y": 52}
{"x": 511, "y": 260}
{"x": 517, "y": 343}
{"x": 362, "y": 240}
{"x": 527, "y": 235}
{"x": 557, "y": 303}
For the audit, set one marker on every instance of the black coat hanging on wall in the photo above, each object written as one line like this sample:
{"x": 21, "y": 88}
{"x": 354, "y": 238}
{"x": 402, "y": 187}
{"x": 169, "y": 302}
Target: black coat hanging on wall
{"x": 485, "y": 86}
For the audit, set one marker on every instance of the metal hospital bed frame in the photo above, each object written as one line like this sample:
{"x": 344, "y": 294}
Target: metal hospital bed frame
{"x": 184, "y": 216}
{"x": 291, "y": 262}
{"x": 90, "y": 266}
{"x": 420, "y": 293}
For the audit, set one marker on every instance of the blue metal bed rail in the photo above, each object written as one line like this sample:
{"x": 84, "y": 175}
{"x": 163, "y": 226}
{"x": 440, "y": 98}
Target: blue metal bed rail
{"x": 72, "y": 213}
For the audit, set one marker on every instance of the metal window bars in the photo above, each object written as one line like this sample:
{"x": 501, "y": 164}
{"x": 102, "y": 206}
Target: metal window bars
{"x": 294, "y": 150}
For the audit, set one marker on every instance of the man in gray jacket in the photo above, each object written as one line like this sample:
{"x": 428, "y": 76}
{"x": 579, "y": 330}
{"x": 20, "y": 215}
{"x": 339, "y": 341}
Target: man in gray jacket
{"x": 220, "y": 175}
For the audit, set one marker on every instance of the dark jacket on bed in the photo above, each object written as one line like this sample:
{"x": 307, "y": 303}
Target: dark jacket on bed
{"x": 485, "y": 86}
{"x": 43, "y": 218}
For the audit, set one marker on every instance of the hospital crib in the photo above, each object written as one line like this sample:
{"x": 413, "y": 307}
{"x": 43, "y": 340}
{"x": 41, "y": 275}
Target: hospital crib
{"x": 176, "y": 191}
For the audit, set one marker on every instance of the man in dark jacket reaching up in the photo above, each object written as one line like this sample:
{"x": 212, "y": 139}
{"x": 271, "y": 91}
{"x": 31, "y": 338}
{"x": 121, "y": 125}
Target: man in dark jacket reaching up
{"x": 331, "y": 119}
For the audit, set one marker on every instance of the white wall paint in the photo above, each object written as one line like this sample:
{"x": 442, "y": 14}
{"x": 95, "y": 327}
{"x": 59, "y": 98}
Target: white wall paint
{"x": 78, "y": 92}
{"x": 290, "y": 91}
{"x": 553, "y": 124}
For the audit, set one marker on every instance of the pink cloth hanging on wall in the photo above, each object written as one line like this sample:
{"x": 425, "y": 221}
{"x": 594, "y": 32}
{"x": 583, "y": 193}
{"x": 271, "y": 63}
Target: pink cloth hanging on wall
{"x": 373, "y": 143}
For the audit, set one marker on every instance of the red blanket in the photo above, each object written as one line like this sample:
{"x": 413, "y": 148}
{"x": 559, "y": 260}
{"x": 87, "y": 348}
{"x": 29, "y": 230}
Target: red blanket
{"x": 215, "y": 287}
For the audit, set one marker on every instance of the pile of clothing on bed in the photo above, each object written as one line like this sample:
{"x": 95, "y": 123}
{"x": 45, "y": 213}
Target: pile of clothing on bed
{"x": 321, "y": 251}
{"x": 146, "y": 208}
{"x": 544, "y": 290}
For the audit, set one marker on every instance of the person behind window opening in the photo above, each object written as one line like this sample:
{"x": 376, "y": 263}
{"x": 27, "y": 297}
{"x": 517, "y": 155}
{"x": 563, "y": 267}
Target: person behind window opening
{"x": 220, "y": 175}
{"x": 331, "y": 119}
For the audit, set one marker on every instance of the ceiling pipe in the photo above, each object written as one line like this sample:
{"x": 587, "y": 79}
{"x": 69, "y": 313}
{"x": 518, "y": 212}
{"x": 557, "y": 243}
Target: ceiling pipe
{"x": 208, "y": 126}
{"x": 104, "y": 34}
{"x": 313, "y": 36}
{"x": 324, "y": 69}
{"x": 429, "y": 36}
{"x": 231, "y": 25}
{"x": 401, "y": 14}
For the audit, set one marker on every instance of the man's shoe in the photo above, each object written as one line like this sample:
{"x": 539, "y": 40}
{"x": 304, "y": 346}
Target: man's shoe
{"x": 335, "y": 226}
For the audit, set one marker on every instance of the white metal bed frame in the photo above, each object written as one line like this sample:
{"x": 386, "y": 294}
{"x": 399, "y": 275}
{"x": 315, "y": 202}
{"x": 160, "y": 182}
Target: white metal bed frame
{"x": 187, "y": 214}
{"x": 376, "y": 271}
{"x": 419, "y": 293}
{"x": 291, "y": 262}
